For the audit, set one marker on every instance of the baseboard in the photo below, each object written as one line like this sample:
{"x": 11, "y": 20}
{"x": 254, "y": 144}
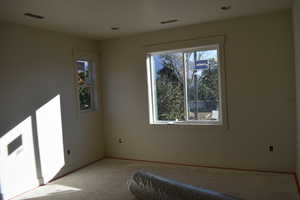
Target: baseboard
{"x": 297, "y": 182}
{"x": 214, "y": 167}
{"x": 9, "y": 197}
{"x": 41, "y": 180}
{"x": 204, "y": 166}
{"x": 74, "y": 170}
{"x": 2, "y": 196}
{"x": 173, "y": 163}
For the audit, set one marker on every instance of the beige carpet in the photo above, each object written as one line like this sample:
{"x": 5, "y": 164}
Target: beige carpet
{"x": 106, "y": 180}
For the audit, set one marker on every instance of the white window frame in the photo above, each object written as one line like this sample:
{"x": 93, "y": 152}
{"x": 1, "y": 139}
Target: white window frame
{"x": 92, "y": 60}
{"x": 184, "y": 46}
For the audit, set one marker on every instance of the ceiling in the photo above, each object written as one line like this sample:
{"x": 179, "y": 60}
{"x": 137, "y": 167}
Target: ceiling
{"x": 94, "y": 18}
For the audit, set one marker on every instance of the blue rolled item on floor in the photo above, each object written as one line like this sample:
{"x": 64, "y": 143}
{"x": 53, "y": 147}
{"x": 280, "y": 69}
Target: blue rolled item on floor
{"x": 147, "y": 186}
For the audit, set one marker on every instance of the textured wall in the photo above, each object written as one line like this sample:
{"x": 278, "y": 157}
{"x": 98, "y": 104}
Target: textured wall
{"x": 260, "y": 95}
{"x": 35, "y": 67}
{"x": 296, "y": 20}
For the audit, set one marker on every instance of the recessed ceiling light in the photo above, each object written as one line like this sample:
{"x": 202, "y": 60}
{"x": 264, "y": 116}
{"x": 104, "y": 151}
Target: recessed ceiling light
{"x": 34, "y": 16}
{"x": 226, "y": 7}
{"x": 169, "y": 21}
{"x": 115, "y": 28}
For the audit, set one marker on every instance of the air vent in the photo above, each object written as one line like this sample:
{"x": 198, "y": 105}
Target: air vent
{"x": 115, "y": 28}
{"x": 226, "y": 7}
{"x": 34, "y": 16}
{"x": 169, "y": 21}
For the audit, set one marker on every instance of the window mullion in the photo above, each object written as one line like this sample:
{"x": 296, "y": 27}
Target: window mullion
{"x": 185, "y": 87}
{"x": 154, "y": 94}
{"x": 170, "y": 72}
{"x": 86, "y": 92}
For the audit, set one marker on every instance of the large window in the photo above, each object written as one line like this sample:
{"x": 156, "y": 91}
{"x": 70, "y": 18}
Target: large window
{"x": 185, "y": 86}
{"x": 85, "y": 84}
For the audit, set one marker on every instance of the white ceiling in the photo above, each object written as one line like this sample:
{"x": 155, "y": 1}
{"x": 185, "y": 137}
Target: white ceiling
{"x": 94, "y": 18}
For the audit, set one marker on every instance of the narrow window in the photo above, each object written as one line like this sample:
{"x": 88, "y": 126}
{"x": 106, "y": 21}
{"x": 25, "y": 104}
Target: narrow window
{"x": 85, "y": 84}
{"x": 185, "y": 86}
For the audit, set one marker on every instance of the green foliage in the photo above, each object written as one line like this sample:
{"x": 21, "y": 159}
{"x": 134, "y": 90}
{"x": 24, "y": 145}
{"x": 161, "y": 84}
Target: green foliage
{"x": 84, "y": 98}
{"x": 170, "y": 100}
{"x": 208, "y": 83}
{"x": 169, "y": 86}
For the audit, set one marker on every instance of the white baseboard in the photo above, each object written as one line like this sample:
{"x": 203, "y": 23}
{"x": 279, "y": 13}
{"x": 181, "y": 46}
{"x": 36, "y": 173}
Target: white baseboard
{"x": 40, "y": 181}
{"x": 35, "y": 183}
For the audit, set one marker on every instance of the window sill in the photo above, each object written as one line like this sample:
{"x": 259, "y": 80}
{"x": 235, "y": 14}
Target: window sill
{"x": 87, "y": 111}
{"x": 187, "y": 123}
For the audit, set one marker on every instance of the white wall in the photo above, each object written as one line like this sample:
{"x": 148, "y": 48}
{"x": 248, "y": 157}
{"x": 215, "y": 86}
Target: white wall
{"x": 35, "y": 67}
{"x": 18, "y": 164}
{"x": 296, "y": 20}
{"x": 260, "y": 96}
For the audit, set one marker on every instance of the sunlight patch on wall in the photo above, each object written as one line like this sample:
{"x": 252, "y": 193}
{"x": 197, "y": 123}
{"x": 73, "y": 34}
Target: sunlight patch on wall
{"x": 50, "y": 138}
{"x": 17, "y": 158}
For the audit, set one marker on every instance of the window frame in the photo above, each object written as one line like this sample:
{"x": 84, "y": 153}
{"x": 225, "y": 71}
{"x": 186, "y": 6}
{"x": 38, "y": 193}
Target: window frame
{"x": 186, "y": 46}
{"x": 92, "y": 84}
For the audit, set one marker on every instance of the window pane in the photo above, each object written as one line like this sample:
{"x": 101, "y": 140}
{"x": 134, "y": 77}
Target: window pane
{"x": 169, "y": 76}
{"x": 83, "y": 72}
{"x": 85, "y": 96}
{"x": 202, "y": 85}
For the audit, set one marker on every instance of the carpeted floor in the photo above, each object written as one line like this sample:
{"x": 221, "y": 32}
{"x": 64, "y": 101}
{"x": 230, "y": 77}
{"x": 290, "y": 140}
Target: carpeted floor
{"x": 106, "y": 180}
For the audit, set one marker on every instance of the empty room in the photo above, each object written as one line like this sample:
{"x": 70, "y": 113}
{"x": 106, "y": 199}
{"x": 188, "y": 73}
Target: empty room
{"x": 150, "y": 100}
